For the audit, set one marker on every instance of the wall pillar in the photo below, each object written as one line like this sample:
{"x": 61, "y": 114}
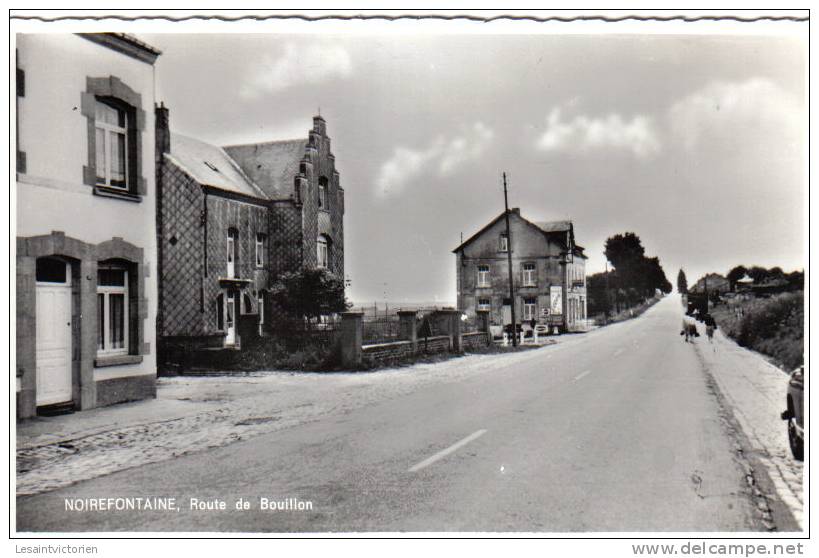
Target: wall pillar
{"x": 450, "y": 323}
{"x": 407, "y": 327}
{"x": 351, "y": 339}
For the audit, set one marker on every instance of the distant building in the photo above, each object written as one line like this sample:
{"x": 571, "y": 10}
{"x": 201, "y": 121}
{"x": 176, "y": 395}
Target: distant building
{"x": 86, "y": 251}
{"x": 714, "y": 282}
{"x": 548, "y": 270}
{"x": 230, "y": 221}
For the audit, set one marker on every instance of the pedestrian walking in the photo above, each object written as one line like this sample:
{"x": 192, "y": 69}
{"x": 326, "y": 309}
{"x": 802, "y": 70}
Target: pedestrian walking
{"x": 710, "y": 326}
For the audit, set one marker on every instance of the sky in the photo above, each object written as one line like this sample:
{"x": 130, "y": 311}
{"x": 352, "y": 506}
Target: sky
{"x": 696, "y": 143}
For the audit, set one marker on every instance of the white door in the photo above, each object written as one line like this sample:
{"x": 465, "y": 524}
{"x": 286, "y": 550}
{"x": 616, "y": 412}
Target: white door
{"x": 230, "y": 320}
{"x": 53, "y": 352}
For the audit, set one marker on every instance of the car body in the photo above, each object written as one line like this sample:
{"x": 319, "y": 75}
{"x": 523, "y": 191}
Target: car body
{"x": 795, "y": 412}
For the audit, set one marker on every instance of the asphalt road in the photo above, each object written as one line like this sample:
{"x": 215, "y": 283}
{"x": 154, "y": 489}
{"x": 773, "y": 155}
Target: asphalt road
{"x": 618, "y": 432}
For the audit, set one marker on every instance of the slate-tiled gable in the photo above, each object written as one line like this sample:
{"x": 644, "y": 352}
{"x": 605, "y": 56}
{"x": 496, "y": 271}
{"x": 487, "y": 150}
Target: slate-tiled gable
{"x": 271, "y": 165}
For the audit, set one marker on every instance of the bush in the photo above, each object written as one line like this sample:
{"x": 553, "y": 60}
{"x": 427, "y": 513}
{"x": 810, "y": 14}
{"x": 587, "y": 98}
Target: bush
{"x": 772, "y": 326}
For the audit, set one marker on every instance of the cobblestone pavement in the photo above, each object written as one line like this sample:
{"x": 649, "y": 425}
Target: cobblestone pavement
{"x": 240, "y": 407}
{"x": 755, "y": 391}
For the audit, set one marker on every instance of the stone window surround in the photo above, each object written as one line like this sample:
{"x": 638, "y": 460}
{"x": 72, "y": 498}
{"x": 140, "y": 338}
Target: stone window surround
{"x": 83, "y": 258}
{"x": 112, "y": 87}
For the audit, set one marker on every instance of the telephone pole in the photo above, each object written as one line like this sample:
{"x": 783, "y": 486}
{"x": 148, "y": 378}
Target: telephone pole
{"x": 509, "y": 259}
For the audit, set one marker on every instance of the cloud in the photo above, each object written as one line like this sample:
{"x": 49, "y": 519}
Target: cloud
{"x": 443, "y": 156}
{"x": 583, "y": 133}
{"x": 725, "y": 113}
{"x": 308, "y": 65}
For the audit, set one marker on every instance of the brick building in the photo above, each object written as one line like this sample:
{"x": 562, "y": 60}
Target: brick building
{"x": 85, "y": 243}
{"x": 230, "y": 220}
{"x": 548, "y": 273}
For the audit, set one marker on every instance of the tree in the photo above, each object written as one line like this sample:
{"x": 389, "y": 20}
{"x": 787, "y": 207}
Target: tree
{"x": 309, "y": 294}
{"x": 758, "y": 274}
{"x": 736, "y": 274}
{"x": 682, "y": 282}
{"x": 624, "y": 250}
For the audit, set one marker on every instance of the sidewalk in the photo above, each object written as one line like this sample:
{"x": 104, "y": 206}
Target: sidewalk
{"x": 755, "y": 390}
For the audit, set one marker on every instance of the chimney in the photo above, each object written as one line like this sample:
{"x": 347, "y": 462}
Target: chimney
{"x": 516, "y": 211}
{"x": 162, "y": 130}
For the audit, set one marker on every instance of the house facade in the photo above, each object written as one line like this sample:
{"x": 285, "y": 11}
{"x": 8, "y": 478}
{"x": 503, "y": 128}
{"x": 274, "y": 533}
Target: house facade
{"x": 548, "y": 272}
{"x": 86, "y": 285}
{"x": 230, "y": 220}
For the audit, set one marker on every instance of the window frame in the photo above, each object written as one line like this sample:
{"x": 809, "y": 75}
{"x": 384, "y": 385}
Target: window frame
{"x": 112, "y": 91}
{"x": 106, "y": 291}
{"x": 323, "y": 241}
{"x": 483, "y": 275}
{"x": 529, "y": 274}
{"x": 230, "y": 253}
{"x": 109, "y": 130}
{"x": 260, "y": 249}
{"x": 323, "y": 198}
{"x": 529, "y": 309}
{"x": 487, "y": 306}
{"x": 503, "y": 243}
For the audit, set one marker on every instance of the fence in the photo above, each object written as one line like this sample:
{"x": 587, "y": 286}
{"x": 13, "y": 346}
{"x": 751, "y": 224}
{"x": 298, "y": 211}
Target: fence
{"x": 380, "y": 340}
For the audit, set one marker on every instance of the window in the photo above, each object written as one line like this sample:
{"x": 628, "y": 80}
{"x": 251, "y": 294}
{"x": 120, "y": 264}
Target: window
{"x": 115, "y": 126}
{"x": 260, "y": 243}
{"x": 51, "y": 270}
{"x": 322, "y": 251}
{"x": 484, "y": 304}
{"x": 260, "y": 301}
{"x": 231, "y": 252}
{"x": 529, "y": 309}
{"x": 322, "y": 194}
{"x": 247, "y": 304}
{"x": 112, "y": 311}
{"x": 504, "y": 243}
{"x": 483, "y": 275}
{"x": 111, "y": 129}
{"x": 529, "y": 275}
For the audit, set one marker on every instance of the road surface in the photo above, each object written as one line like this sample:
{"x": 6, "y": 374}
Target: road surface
{"x": 618, "y": 431}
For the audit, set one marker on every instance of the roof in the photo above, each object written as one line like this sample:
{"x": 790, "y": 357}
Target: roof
{"x": 126, "y": 44}
{"x": 547, "y": 227}
{"x": 211, "y": 166}
{"x": 271, "y": 165}
{"x": 554, "y": 226}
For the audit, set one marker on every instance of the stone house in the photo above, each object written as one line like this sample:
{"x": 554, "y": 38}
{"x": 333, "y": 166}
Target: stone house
{"x": 86, "y": 283}
{"x": 230, "y": 220}
{"x": 548, "y": 270}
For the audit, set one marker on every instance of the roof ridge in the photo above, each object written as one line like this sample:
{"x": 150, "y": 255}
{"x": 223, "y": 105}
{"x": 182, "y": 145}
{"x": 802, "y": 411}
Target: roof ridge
{"x": 270, "y": 142}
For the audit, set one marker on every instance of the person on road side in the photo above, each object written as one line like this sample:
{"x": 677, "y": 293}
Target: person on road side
{"x": 710, "y": 326}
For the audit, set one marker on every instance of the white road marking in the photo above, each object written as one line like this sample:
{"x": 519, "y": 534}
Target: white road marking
{"x": 443, "y": 453}
{"x": 582, "y": 375}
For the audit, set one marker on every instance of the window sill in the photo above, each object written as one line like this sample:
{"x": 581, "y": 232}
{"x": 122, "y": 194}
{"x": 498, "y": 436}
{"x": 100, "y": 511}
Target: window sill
{"x": 116, "y": 360}
{"x": 116, "y": 193}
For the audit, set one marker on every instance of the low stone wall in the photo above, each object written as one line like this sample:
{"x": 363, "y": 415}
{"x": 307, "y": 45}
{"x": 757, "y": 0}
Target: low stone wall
{"x": 437, "y": 344}
{"x": 388, "y": 352}
{"x": 475, "y": 340}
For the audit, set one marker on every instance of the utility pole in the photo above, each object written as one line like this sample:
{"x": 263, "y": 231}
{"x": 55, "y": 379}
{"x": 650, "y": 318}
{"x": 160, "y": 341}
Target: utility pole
{"x": 509, "y": 259}
{"x": 608, "y": 301}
